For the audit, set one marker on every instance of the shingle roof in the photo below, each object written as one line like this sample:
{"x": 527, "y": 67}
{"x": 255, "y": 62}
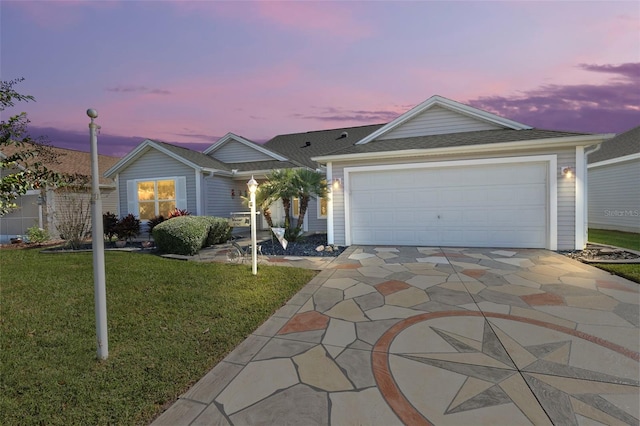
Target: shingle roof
{"x": 322, "y": 142}
{"x": 626, "y": 143}
{"x": 261, "y": 165}
{"x": 69, "y": 161}
{"x": 195, "y": 157}
{"x": 453, "y": 140}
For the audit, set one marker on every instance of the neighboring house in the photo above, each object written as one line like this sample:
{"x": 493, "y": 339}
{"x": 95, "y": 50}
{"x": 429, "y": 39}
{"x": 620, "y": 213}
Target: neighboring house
{"x": 41, "y": 207}
{"x": 441, "y": 174}
{"x": 614, "y": 183}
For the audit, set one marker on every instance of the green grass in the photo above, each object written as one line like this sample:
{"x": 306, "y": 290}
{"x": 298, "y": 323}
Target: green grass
{"x": 169, "y": 322}
{"x": 627, "y": 240}
{"x": 630, "y": 271}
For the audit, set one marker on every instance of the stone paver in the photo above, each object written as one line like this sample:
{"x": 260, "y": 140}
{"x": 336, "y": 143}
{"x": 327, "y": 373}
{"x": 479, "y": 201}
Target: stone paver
{"x": 424, "y": 335}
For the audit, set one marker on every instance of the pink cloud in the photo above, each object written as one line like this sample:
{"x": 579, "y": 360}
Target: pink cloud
{"x": 326, "y": 19}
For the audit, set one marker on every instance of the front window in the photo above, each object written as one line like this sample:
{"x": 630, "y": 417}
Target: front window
{"x": 156, "y": 197}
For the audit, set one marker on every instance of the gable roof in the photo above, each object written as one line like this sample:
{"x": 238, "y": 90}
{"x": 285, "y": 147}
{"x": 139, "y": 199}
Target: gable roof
{"x": 624, "y": 144}
{"x": 233, "y": 137}
{"x": 196, "y": 160}
{"x": 447, "y": 104}
{"x": 302, "y": 147}
{"x": 191, "y": 158}
{"x": 68, "y": 161}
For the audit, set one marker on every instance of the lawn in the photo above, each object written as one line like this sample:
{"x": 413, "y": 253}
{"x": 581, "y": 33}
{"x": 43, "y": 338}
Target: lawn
{"x": 169, "y": 322}
{"x": 628, "y": 240}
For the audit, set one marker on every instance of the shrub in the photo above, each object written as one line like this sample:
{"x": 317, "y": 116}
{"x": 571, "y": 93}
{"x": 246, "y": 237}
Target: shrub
{"x": 151, "y": 223}
{"x": 219, "y": 230}
{"x": 73, "y": 215}
{"x": 37, "y": 235}
{"x": 128, "y": 227}
{"x": 181, "y": 235}
{"x": 109, "y": 224}
{"x": 178, "y": 212}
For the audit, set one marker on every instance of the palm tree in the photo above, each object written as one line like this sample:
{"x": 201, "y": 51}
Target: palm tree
{"x": 264, "y": 198}
{"x": 309, "y": 183}
{"x": 281, "y": 184}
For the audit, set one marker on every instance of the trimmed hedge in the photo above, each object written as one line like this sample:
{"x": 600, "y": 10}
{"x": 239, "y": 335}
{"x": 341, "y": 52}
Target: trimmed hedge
{"x": 186, "y": 235}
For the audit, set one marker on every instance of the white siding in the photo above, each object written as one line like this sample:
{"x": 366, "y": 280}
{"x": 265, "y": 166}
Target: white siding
{"x": 153, "y": 165}
{"x": 236, "y": 152}
{"x": 614, "y": 196}
{"x": 566, "y": 190}
{"x": 435, "y": 121}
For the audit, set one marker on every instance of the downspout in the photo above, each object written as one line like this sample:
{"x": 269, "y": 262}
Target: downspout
{"x": 587, "y": 152}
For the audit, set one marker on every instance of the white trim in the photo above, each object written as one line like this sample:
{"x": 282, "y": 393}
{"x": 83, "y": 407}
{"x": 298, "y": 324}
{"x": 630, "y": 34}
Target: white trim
{"x": 551, "y": 160}
{"x": 231, "y": 136}
{"x": 198, "y": 177}
{"x": 629, "y": 157}
{"x": 580, "y": 199}
{"x": 450, "y": 105}
{"x": 141, "y": 149}
{"x": 329, "y": 177}
{"x": 558, "y": 142}
{"x": 132, "y": 198}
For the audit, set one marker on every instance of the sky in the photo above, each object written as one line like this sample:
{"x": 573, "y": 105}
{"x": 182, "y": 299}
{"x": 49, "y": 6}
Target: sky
{"x": 189, "y": 72}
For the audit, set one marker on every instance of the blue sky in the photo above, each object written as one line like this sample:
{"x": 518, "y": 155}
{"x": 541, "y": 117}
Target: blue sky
{"x": 189, "y": 72}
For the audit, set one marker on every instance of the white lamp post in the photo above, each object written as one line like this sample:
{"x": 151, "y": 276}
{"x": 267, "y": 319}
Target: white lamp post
{"x": 253, "y": 185}
{"x": 97, "y": 232}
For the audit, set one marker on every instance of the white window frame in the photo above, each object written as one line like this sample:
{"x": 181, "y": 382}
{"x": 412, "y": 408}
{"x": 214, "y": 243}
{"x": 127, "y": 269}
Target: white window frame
{"x": 133, "y": 205}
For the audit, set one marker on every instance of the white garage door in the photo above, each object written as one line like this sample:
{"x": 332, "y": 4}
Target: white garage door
{"x": 497, "y": 205}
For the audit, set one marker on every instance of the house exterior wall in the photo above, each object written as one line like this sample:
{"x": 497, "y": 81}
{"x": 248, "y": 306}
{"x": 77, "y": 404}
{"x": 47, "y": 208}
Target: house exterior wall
{"x": 18, "y": 221}
{"x": 314, "y": 223}
{"x": 565, "y": 188}
{"x": 236, "y": 152}
{"x": 614, "y": 196}
{"x": 437, "y": 120}
{"x": 154, "y": 165}
{"x": 218, "y": 200}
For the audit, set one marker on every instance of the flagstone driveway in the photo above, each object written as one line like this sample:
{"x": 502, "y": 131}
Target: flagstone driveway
{"x": 407, "y": 335}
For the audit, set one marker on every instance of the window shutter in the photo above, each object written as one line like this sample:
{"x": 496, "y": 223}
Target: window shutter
{"x": 181, "y": 192}
{"x": 132, "y": 198}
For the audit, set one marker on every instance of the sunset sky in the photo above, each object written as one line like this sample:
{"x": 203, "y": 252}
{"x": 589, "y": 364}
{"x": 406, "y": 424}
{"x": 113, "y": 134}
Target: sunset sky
{"x": 190, "y": 71}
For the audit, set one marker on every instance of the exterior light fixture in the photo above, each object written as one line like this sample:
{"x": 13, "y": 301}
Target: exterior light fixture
{"x": 337, "y": 183}
{"x": 253, "y": 186}
{"x": 567, "y": 171}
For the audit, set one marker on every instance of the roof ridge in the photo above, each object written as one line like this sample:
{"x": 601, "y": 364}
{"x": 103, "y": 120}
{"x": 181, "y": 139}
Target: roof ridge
{"x": 327, "y": 130}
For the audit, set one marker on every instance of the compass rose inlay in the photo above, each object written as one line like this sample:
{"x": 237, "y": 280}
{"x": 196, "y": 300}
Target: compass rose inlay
{"x": 502, "y": 364}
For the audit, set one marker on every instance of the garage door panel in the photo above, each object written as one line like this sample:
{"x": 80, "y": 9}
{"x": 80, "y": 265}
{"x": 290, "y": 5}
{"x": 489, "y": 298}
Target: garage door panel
{"x": 502, "y": 205}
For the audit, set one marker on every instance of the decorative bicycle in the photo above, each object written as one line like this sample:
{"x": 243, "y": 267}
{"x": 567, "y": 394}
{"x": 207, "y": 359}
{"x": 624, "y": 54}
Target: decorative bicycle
{"x": 237, "y": 254}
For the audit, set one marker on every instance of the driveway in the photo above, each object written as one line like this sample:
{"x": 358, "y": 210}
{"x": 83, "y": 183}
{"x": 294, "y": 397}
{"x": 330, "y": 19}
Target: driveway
{"x": 406, "y": 335}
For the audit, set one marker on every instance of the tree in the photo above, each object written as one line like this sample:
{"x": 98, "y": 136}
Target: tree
{"x": 281, "y": 184}
{"x": 22, "y": 158}
{"x": 309, "y": 183}
{"x": 287, "y": 184}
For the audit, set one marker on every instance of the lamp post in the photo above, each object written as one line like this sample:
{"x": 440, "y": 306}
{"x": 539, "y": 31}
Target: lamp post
{"x": 253, "y": 185}
{"x": 97, "y": 233}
